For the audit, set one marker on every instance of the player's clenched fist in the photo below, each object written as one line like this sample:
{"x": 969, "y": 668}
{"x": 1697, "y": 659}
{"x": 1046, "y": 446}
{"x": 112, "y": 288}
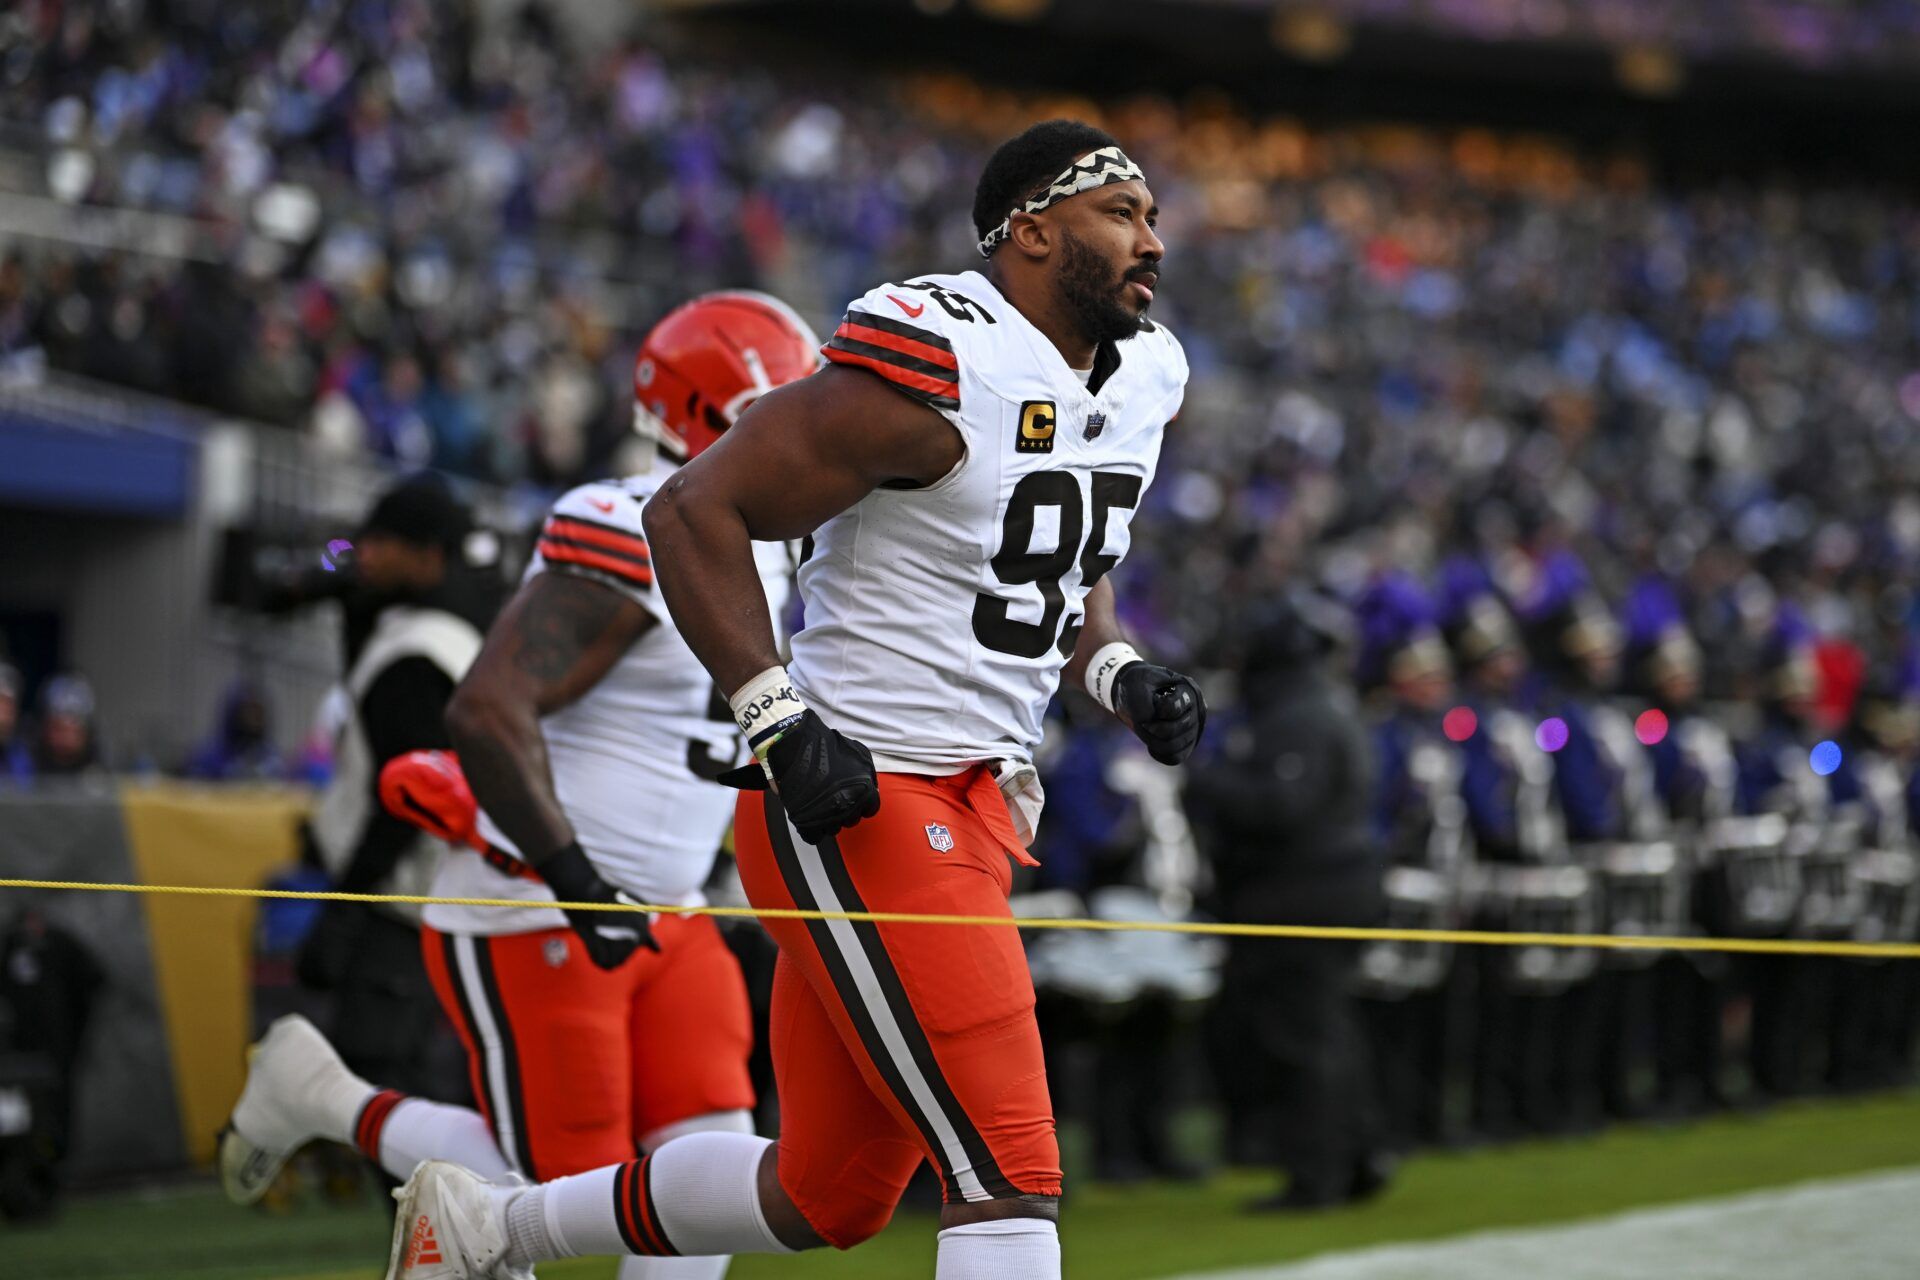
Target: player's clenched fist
{"x": 610, "y": 937}
{"x": 1164, "y": 709}
{"x": 825, "y": 780}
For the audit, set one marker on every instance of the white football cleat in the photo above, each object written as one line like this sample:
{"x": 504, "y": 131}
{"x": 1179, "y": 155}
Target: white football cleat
{"x": 297, "y": 1089}
{"x": 451, "y": 1225}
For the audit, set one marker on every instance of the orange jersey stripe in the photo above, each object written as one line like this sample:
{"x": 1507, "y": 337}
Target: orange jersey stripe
{"x": 894, "y": 373}
{"x": 600, "y": 536}
{"x": 894, "y": 342}
{"x": 561, "y": 553}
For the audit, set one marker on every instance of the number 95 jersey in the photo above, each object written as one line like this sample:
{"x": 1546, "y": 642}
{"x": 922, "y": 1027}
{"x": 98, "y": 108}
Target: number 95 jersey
{"x": 937, "y": 619}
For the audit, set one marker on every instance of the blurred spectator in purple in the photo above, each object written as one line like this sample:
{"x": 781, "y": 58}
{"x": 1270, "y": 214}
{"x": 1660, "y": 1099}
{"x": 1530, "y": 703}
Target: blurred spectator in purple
{"x": 1089, "y": 832}
{"x": 396, "y": 427}
{"x": 240, "y": 748}
{"x": 65, "y": 741}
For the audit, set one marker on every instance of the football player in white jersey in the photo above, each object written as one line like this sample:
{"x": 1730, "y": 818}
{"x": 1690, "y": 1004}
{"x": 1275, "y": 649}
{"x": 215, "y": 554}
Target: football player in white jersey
{"x": 967, "y": 464}
{"x": 591, "y": 738}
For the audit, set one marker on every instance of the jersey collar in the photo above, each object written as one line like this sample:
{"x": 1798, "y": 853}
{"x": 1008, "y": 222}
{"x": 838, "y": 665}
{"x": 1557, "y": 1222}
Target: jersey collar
{"x": 1106, "y": 363}
{"x": 1106, "y": 356}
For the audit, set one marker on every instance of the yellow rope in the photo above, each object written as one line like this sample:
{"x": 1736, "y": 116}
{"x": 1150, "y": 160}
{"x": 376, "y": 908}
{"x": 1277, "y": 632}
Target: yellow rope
{"x": 1470, "y": 937}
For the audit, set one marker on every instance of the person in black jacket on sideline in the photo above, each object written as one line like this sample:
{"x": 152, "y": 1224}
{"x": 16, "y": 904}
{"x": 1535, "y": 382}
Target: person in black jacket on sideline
{"x": 1284, "y": 802}
{"x": 425, "y": 606}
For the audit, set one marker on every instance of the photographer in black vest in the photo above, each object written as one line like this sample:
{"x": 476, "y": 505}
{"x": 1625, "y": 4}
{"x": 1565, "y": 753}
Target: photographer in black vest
{"x": 424, "y": 602}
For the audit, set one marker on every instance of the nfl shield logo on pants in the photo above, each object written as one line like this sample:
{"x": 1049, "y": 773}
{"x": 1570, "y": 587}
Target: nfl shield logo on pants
{"x": 939, "y": 837}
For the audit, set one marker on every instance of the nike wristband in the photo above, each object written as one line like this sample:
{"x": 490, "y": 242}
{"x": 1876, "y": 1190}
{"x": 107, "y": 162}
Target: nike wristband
{"x": 1107, "y": 663}
{"x": 764, "y": 707}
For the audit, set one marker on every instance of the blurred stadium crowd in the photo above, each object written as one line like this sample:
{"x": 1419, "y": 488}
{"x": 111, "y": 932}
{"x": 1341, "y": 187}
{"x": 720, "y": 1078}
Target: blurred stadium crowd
{"x": 1517, "y": 434}
{"x": 1704, "y": 382}
{"x": 1839, "y": 34}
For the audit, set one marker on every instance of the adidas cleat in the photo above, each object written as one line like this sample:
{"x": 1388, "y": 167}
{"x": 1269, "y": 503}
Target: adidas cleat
{"x": 451, "y": 1225}
{"x": 296, "y": 1086}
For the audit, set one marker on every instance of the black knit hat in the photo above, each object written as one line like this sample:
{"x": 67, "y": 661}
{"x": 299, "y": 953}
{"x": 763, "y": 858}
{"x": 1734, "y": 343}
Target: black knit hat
{"x": 420, "y": 510}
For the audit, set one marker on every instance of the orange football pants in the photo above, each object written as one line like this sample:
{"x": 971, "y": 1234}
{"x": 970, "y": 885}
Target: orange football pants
{"x": 573, "y": 1064}
{"x": 894, "y": 1043}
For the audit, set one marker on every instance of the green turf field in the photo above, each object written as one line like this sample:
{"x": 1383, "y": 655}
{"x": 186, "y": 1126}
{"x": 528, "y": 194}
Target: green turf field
{"x": 190, "y": 1233}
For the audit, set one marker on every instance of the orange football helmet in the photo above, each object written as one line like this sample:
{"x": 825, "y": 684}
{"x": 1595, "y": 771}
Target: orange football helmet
{"x": 708, "y": 359}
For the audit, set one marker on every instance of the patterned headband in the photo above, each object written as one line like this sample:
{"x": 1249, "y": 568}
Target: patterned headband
{"x": 1094, "y": 169}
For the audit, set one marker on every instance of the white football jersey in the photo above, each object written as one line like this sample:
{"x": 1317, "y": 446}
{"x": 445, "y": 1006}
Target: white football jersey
{"x": 937, "y": 619}
{"x": 634, "y": 759}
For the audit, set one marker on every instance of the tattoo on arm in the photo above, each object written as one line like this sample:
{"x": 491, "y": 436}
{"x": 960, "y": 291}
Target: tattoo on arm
{"x": 557, "y": 638}
{"x": 572, "y": 613}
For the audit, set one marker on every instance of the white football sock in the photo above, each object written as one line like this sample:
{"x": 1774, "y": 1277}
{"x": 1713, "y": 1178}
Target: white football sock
{"x": 704, "y": 1187}
{"x": 999, "y": 1250}
{"x": 673, "y": 1268}
{"x": 707, "y": 1189}
{"x": 419, "y": 1130}
{"x": 712, "y": 1267}
{"x": 530, "y": 1237}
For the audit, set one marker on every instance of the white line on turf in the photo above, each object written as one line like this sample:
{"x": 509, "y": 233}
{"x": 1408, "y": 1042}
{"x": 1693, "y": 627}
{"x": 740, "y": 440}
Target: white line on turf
{"x": 1856, "y": 1228}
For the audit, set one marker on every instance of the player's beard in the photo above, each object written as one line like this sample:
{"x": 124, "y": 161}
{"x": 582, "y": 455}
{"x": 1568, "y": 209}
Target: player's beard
{"x": 1095, "y": 296}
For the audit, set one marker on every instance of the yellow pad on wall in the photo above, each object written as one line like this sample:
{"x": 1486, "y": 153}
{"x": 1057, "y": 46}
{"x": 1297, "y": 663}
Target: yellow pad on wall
{"x": 202, "y": 947}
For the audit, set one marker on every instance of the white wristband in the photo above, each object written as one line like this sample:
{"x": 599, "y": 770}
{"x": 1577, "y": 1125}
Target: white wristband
{"x": 1107, "y": 661}
{"x": 765, "y": 705}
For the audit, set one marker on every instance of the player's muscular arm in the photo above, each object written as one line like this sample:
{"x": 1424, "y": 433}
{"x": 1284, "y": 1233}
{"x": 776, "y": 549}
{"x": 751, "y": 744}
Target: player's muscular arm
{"x": 798, "y": 457}
{"x": 558, "y": 636}
{"x": 1100, "y": 627}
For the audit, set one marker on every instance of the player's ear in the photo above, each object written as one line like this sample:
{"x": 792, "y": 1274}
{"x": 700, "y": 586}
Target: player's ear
{"x": 1031, "y": 235}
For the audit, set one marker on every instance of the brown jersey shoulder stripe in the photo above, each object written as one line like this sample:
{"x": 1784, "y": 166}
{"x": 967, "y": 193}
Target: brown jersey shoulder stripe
{"x": 918, "y": 361}
{"x": 918, "y": 354}
{"x": 941, "y": 393}
{"x": 625, "y": 569}
{"x": 622, "y": 546}
{"x": 898, "y": 328}
{"x": 852, "y": 339}
{"x": 611, "y": 537}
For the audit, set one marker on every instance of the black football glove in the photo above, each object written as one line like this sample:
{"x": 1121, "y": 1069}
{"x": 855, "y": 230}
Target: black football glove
{"x": 609, "y": 936}
{"x": 1163, "y": 708}
{"x": 825, "y": 779}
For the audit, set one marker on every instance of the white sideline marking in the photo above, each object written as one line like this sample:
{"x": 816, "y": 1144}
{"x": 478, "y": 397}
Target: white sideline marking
{"x": 1856, "y": 1228}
